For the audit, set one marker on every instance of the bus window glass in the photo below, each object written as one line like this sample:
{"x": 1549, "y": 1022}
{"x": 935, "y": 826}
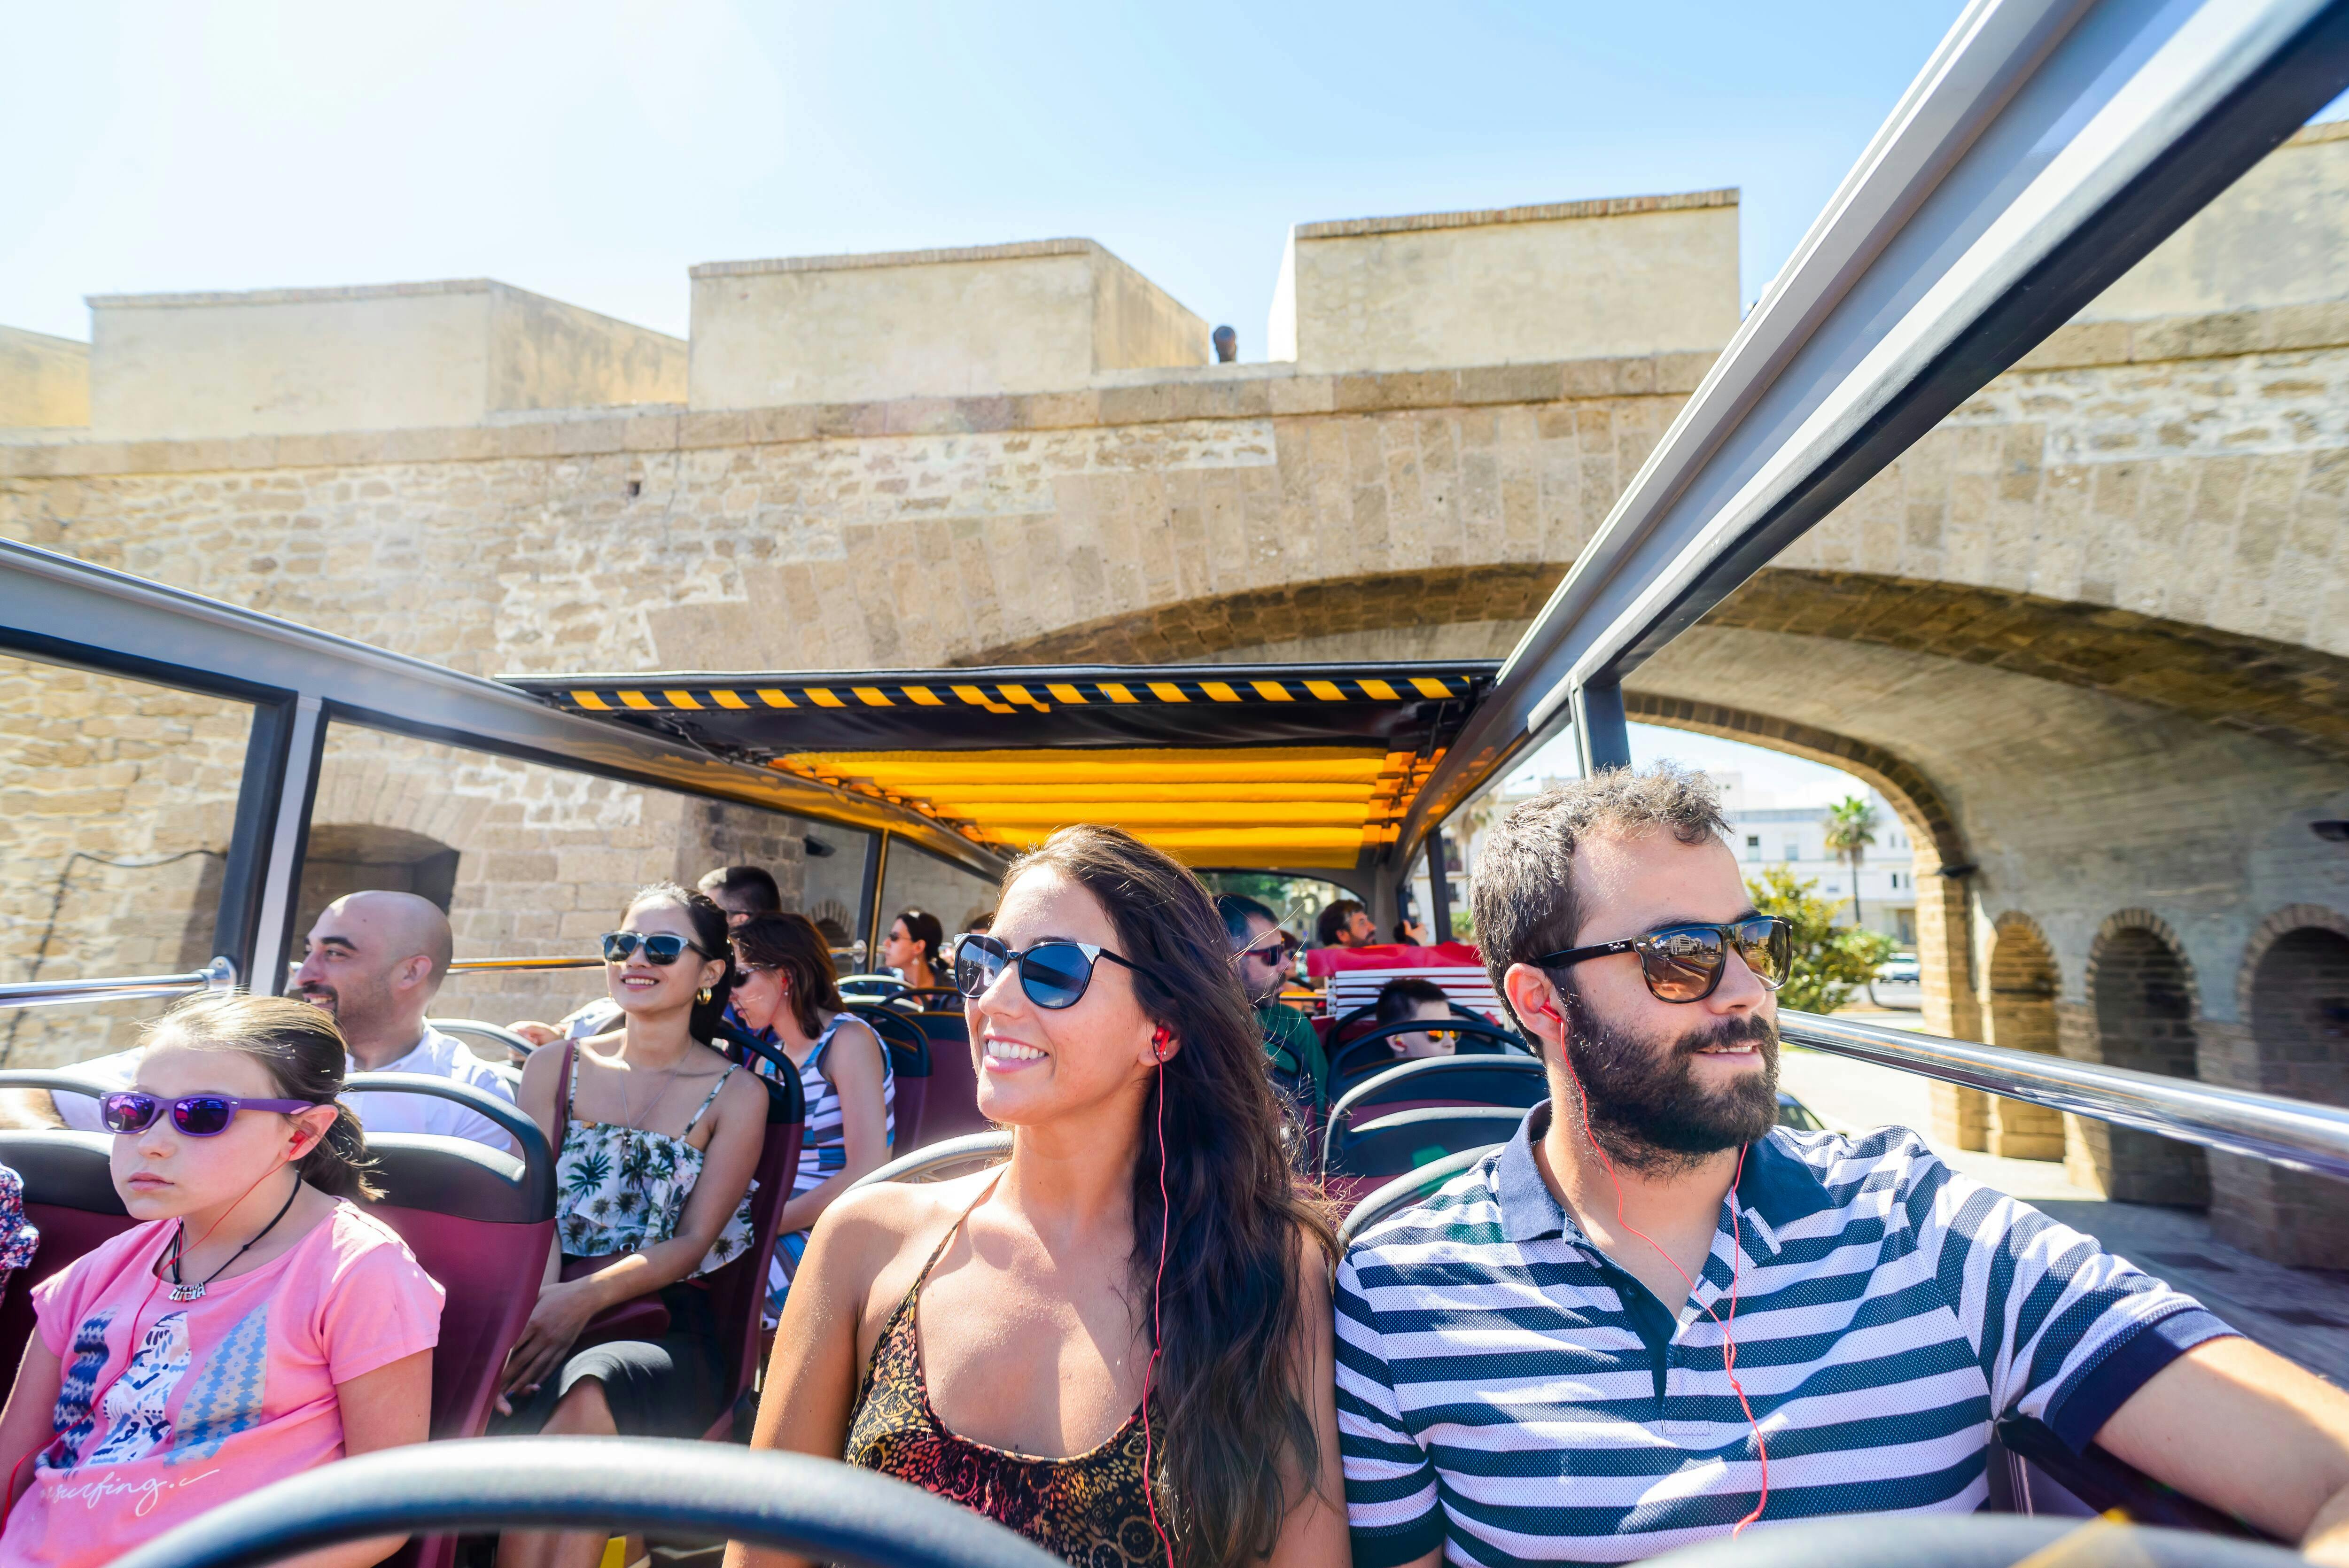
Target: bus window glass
{"x": 913, "y": 879}
{"x": 536, "y": 862}
{"x": 120, "y": 799}
{"x": 1295, "y": 902}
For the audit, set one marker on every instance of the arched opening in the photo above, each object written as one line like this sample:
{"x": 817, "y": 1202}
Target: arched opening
{"x": 2299, "y": 1017}
{"x": 2023, "y": 984}
{"x": 354, "y": 857}
{"x": 2143, "y": 999}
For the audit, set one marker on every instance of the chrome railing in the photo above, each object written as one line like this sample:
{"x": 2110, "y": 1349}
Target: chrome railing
{"x": 219, "y": 974}
{"x": 2264, "y": 1126}
{"x": 497, "y": 966}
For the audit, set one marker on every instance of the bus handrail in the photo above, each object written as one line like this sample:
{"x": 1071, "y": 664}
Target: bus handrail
{"x": 504, "y": 965}
{"x": 2289, "y": 1132}
{"x": 219, "y": 975}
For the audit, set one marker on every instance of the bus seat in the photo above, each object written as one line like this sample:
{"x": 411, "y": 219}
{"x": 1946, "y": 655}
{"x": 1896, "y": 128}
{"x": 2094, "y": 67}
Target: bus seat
{"x": 1403, "y": 1191}
{"x": 738, "y": 1291}
{"x": 1369, "y": 1053}
{"x": 909, "y": 1068}
{"x": 943, "y": 1161}
{"x": 951, "y": 1107}
{"x": 1506, "y": 1082}
{"x": 1375, "y": 1152}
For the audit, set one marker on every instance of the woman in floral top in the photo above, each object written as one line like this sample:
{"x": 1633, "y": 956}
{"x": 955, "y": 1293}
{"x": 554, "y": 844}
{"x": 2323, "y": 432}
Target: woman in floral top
{"x": 659, "y": 1136}
{"x": 19, "y": 1238}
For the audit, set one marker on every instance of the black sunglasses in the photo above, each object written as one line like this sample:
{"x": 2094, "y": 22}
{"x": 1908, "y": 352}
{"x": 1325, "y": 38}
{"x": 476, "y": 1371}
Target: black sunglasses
{"x": 1277, "y": 954}
{"x": 1684, "y": 963}
{"x": 197, "y": 1115}
{"x": 1054, "y": 975}
{"x": 661, "y": 948}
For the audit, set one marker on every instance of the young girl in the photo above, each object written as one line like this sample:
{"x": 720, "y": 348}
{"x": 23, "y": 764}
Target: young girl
{"x": 784, "y": 992}
{"x": 659, "y": 1136}
{"x": 255, "y": 1325}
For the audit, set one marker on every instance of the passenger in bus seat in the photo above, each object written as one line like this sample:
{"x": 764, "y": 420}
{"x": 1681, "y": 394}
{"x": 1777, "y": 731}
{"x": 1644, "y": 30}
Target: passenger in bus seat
{"x": 1655, "y": 1316}
{"x": 658, "y": 1135}
{"x": 1345, "y": 924}
{"x": 255, "y": 1324}
{"x": 1261, "y": 954}
{"x": 373, "y": 962}
{"x": 1118, "y": 1342}
{"x": 786, "y": 992}
{"x": 742, "y": 892}
{"x": 911, "y": 950}
{"x": 1412, "y": 999}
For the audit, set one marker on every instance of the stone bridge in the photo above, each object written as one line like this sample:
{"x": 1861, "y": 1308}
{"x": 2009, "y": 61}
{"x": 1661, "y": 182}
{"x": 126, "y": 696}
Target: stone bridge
{"x": 2091, "y": 636}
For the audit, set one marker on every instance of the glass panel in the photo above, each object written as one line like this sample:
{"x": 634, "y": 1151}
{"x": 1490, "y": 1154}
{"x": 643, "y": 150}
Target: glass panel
{"x": 535, "y": 862}
{"x": 117, "y": 800}
{"x": 915, "y": 879}
{"x": 1297, "y": 901}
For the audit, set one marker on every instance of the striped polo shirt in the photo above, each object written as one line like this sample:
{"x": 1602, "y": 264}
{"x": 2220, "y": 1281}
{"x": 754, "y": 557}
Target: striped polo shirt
{"x": 1507, "y": 1392}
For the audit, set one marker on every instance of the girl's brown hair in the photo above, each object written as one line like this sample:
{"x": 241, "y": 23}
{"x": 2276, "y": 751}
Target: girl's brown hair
{"x": 302, "y": 1052}
{"x": 1239, "y": 1449}
{"x": 792, "y": 947}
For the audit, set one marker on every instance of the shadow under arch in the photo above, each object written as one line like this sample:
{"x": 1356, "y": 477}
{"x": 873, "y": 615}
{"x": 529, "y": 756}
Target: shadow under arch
{"x": 2143, "y": 1001}
{"x": 2292, "y": 1040}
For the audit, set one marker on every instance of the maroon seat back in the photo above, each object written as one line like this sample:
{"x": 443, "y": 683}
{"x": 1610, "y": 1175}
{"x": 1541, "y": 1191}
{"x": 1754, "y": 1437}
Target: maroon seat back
{"x": 738, "y": 1291}
{"x": 950, "y": 1109}
{"x": 910, "y": 1071}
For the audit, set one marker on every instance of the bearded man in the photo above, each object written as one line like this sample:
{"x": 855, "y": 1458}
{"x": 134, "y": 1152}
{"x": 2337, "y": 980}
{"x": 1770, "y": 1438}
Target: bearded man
{"x": 1535, "y": 1365}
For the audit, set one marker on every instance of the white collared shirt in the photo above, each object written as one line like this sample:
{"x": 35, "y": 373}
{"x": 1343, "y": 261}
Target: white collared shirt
{"x": 435, "y": 1055}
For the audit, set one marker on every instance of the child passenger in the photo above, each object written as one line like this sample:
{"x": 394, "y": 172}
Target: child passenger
{"x": 255, "y": 1325}
{"x": 1409, "y": 1000}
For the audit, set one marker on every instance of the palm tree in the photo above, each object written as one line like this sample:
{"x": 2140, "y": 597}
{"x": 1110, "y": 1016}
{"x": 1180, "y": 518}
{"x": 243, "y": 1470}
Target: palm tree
{"x": 1851, "y": 828}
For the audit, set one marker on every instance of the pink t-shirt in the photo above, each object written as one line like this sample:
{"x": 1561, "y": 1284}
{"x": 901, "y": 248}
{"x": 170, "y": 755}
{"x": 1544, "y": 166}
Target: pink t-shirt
{"x": 224, "y": 1395}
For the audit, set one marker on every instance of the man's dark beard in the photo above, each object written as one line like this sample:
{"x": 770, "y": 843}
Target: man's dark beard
{"x": 1646, "y": 1109}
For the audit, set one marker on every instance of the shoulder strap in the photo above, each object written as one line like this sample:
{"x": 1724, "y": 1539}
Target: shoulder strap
{"x": 952, "y": 1231}
{"x": 569, "y": 1082}
{"x": 708, "y": 1100}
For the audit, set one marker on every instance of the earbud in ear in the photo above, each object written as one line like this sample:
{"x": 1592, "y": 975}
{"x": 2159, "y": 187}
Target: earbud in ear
{"x": 1547, "y": 1011}
{"x": 1160, "y": 1040}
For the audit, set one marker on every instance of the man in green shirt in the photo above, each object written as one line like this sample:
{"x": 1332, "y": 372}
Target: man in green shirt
{"x": 1262, "y": 951}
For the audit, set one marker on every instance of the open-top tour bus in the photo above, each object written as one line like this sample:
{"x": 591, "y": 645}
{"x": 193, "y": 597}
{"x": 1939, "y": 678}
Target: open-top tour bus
{"x": 2047, "y": 148}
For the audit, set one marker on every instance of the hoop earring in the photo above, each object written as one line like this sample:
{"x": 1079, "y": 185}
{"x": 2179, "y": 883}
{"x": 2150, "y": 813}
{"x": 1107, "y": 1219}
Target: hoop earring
{"x": 705, "y": 994}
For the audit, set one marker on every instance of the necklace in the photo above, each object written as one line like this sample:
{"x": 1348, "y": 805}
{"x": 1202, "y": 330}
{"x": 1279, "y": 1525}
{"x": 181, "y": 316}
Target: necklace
{"x": 632, "y": 1123}
{"x": 184, "y": 1292}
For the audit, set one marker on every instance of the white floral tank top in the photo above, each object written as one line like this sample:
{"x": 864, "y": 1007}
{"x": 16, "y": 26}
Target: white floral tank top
{"x": 621, "y": 1189}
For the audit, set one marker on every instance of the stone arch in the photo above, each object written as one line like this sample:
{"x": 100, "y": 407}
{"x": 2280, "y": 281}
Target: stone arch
{"x": 2020, "y": 1009}
{"x": 2140, "y": 1013}
{"x": 352, "y": 857}
{"x": 1203, "y": 628}
{"x": 2293, "y": 985}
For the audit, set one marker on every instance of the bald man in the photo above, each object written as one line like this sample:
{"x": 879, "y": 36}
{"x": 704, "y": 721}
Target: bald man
{"x": 373, "y": 960}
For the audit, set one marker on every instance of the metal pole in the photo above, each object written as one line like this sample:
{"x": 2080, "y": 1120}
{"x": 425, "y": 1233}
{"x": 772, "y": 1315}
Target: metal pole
{"x": 1439, "y": 889}
{"x": 869, "y": 916}
{"x": 219, "y": 974}
{"x": 280, "y": 884}
{"x": 1602, "y": 738}
{"x": 2264, "y": 1126}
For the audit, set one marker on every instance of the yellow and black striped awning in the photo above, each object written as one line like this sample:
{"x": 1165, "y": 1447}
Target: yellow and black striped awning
{"x": 1232, "y": 766}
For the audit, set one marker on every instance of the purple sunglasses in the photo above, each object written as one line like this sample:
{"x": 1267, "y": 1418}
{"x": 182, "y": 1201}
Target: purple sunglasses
{"x": 197, "y": 1115}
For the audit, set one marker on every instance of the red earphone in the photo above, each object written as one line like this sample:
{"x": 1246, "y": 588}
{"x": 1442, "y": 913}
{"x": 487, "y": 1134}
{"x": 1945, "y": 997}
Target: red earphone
{"x": 1736, "y": 1263}
{"x": 1159, "y": 1041}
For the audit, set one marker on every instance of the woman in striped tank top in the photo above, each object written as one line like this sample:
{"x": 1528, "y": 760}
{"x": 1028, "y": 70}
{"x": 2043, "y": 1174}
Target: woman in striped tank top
{"x": 786, "y": 993}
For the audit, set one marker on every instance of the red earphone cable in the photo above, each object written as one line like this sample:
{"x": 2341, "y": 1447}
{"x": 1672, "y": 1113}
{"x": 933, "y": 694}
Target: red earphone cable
{"x": 1165, "y": 1234}
{"x": 1737, "y": 1259}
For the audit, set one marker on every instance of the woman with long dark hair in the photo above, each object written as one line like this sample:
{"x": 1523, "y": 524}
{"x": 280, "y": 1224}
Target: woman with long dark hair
{"x": 657, "y": 1136}
{"x": 1125, "y": 1359}
{"x": 911, "y": 949}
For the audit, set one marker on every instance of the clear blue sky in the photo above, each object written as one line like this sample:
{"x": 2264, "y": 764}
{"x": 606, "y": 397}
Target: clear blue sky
{"x": 593, "y": 151}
